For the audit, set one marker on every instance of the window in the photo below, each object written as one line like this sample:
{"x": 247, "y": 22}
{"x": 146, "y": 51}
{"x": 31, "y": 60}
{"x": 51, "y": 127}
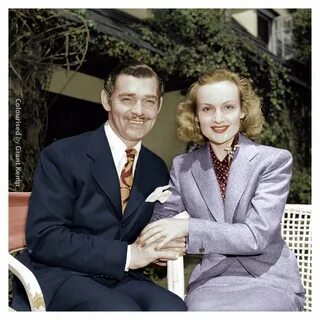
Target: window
{"x": 265, "y": 18}
{"x": 276, "y": 32}
{"x": 282, "y": 37}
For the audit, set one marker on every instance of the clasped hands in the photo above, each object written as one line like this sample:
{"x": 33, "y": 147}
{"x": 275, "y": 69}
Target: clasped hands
{"x": 159, "y": 242}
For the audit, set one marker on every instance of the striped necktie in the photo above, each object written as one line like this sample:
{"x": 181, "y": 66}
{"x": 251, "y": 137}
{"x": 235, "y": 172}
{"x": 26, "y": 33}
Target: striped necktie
{"x": 126, "y": 178}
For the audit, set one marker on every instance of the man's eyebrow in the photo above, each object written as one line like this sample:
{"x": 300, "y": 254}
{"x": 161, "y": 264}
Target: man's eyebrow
{"x": 133, "y": 94}
{"x": 127, "y": 94}
{"x": 151, "y": 96}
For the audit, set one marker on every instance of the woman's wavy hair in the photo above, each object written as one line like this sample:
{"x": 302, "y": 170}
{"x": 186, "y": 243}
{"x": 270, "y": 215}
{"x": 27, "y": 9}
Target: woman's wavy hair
{"x": 188, "y": 124}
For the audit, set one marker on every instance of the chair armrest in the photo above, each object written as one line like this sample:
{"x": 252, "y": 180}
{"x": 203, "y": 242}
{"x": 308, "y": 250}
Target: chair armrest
{"x": 175, "y": 270}
{"x": 29, "y": 282}
{"x": 175, "y": 275}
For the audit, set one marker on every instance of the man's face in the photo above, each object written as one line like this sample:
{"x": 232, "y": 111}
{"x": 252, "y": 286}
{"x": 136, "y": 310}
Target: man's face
{"x": 133, "y": 107}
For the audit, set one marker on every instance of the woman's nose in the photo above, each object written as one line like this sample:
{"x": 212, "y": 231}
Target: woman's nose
{"x": 218, "y": 116}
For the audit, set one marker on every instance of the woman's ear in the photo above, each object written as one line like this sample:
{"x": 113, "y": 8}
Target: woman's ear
{"x": 242, "y": 115}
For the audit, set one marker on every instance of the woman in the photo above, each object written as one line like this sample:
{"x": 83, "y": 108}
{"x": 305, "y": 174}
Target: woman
{"x": 234, "y": 191}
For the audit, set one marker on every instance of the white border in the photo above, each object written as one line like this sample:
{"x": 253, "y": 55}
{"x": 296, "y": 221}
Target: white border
{"x": 159, "y": 4}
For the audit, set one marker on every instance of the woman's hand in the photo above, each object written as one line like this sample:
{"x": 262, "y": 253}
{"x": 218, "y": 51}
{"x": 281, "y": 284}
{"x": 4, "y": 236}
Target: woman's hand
{"x": 163, "y": 231}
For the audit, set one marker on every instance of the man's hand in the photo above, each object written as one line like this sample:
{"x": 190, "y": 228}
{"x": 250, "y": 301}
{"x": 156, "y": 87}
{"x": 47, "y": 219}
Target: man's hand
{"x": 142, "y": 256}
{"x": 163, "y": 231}
{"x": 178, "y": 244}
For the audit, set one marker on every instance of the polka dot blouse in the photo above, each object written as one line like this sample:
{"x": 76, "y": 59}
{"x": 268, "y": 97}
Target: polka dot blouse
{"x": 222, "y": 168}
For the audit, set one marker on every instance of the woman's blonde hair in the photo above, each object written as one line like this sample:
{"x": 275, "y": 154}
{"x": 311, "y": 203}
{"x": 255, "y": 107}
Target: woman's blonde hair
{"x": 187, "y": 120}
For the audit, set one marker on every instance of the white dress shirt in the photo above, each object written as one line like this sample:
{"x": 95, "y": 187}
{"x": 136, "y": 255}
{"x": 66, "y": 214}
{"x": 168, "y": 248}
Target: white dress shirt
{"x": 118, "y": 151}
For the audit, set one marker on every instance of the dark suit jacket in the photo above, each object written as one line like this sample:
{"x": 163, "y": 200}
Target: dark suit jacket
{"x": 75, "y": 224}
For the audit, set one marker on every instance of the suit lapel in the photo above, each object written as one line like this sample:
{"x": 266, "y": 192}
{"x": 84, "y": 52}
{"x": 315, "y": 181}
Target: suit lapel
{"x": 239, "y": 175}
{"x": 204, "y": 175}
{"x": 103, "y": 169}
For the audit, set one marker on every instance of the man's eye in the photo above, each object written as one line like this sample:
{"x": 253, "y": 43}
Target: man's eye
{"x": 126, "y": 100}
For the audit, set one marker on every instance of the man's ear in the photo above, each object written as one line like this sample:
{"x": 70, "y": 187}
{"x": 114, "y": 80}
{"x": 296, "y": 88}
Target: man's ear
{"x": 105, "y": 100}
{"x": 160, "y": 104}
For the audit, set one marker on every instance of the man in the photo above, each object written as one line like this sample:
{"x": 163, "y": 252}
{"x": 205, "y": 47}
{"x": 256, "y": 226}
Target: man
{"x": 86, "y": 209}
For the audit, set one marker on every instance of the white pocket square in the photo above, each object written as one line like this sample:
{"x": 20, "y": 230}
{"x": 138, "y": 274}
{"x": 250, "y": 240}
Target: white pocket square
{"x": 161, "y": 194}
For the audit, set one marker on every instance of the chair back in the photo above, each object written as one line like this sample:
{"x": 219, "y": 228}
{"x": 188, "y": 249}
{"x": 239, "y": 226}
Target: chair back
{"x": 296, "y": 231}
{"x": 18, "y": 209}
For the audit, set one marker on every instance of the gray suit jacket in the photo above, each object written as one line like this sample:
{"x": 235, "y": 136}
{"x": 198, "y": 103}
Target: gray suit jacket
{"x": 247, "y": 225}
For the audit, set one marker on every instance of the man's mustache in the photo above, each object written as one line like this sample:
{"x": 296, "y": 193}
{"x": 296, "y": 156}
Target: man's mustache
{"x": 142, "y": 118}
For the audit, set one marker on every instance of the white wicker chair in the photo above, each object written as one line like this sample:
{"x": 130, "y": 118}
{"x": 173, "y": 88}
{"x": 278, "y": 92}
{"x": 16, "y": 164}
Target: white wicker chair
{"x": 18, "y": 206}
{"x": 296, "y": 231}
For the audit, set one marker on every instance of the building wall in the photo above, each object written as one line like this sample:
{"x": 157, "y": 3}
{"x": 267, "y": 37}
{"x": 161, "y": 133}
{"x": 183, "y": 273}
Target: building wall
{"x": 162, "y": 139}
{"x": 139, "y": 13}
{"x": 77, "y": 85}
{"x": 247, "y": 18}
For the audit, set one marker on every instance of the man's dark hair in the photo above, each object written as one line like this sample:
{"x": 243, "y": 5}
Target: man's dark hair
{"x": 135, "y": 69}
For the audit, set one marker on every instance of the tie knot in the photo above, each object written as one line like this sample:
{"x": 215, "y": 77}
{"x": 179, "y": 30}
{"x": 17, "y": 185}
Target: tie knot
{"x": 131, "y": 152}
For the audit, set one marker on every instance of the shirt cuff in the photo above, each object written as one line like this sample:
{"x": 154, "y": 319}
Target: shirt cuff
{"x": 126, "y": 268}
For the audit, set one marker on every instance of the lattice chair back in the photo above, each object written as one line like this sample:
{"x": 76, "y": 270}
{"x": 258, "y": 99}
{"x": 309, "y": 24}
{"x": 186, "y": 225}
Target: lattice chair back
{"x": 296, "y": 231}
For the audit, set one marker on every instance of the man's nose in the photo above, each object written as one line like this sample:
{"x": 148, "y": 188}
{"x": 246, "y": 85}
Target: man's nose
{"x": 137, "y": 108}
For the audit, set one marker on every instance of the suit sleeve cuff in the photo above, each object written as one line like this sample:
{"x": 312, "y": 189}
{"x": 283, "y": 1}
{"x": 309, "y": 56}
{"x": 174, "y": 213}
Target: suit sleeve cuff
{"x": 197, "y": 236}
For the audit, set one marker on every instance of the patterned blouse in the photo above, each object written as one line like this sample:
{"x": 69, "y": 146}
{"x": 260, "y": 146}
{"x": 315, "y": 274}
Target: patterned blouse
{"x": 222, "y": 168}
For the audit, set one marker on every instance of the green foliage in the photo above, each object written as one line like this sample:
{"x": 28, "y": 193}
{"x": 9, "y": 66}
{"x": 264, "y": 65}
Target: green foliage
{"x": 186, "y": 43}
{"x": 41, "y": 40}
{"x": 300, "y": 186}
{"x": 302, "y": 35}
{"x": 192, "y": 41}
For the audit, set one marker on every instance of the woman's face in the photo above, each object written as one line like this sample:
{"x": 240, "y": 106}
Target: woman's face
{"x": 219, "y": 111}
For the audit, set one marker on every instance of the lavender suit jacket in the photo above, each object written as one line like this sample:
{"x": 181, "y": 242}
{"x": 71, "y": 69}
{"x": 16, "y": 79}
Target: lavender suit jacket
{"x": 247, "y": 225}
